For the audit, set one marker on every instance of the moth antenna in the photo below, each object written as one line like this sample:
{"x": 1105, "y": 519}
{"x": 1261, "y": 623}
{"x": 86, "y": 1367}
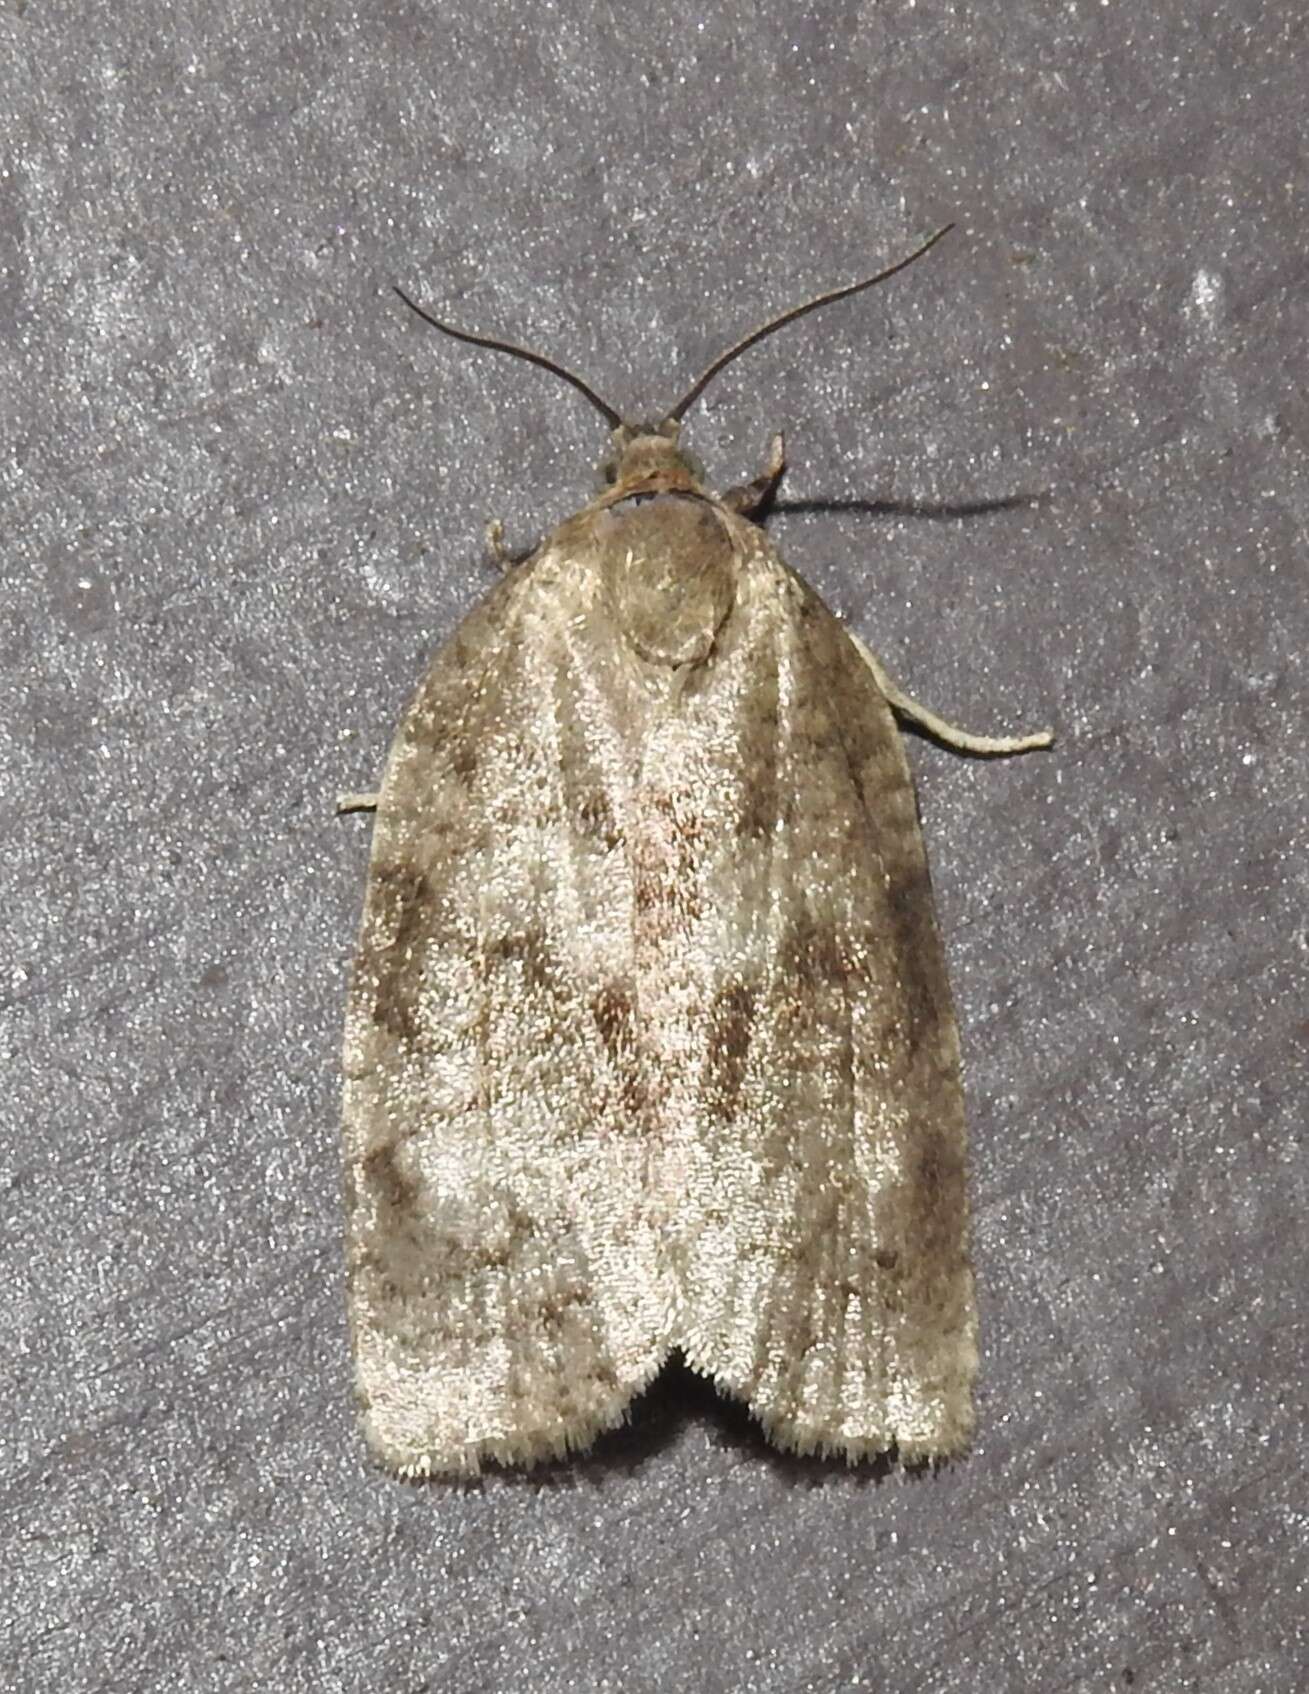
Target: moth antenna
{"x": 680, "y": 410}
{"x": 614, "y": 420}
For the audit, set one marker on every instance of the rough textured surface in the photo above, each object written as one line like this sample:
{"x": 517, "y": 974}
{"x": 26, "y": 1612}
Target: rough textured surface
{"x": 244, "y": 499}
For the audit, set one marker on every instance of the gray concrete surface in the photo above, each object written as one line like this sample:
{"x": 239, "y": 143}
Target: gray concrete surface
{"x": 243, "y": 497}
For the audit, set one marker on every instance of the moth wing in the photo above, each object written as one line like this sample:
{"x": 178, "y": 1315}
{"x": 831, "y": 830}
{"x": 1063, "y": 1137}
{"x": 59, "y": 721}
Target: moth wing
{"x": 820, "y": 1241}
{"x": 502, "y": 1291}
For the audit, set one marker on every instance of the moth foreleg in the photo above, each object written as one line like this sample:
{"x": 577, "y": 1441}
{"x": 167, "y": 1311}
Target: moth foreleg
{"x": 501, "y": 557}
{"x": 751, "y": 497}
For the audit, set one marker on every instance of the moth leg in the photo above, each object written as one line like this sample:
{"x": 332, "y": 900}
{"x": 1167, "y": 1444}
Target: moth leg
{"x": 501, "y": 557}
{"x": 938, "y": 728}
{"x": 356, "y": 803}
{"x": 751, "y": 497}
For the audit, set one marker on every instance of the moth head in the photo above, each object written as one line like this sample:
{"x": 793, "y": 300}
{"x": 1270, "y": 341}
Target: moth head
{"x": 648, "y": 455}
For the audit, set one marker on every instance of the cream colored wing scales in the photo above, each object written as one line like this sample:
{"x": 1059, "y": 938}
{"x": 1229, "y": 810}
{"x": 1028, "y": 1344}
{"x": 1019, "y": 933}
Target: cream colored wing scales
{"x": 814, "y": 1162}
{"x": 503, "y": 1293}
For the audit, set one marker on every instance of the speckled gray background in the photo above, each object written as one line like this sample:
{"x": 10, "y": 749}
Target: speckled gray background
{"x": 243, "y": 497}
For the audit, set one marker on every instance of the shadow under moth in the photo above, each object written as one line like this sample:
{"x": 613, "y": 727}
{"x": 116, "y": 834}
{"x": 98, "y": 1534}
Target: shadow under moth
{"x": 650, "y": 1045}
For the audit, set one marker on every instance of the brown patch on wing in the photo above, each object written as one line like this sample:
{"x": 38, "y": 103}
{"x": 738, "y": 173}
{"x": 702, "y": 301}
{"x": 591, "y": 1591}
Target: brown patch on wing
{"x": 614, "y": 1011}
{"x": 390, "y": 954}
{"x": 594, "y": 819}
{"x": 383, "y": 1177}
{"x": 464, "y": 759}
{"x": 914, "y": 944}
{"x": 615, "y": 1018}
{"x": 413, "y": 1251}
{"x": 666, "y": 864}
{"x": 530, "y": 949}
{"x": 758, "y": 808}
{"x": 731, "y": 1023}
{"x": 935, "y": 1182}
{"x": 815, "y": 955}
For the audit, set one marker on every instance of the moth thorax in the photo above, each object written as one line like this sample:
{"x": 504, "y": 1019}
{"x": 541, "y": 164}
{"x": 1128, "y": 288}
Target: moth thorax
{"x": 669, "y": 574}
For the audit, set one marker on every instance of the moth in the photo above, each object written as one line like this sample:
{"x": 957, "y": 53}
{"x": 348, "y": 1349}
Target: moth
{"x": 650, "y": 1046}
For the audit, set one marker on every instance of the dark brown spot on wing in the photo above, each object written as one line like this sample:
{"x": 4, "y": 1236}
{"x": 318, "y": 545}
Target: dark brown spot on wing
{"x": 614, "y": 1012}
{"x": 384, "y": 1178}
{"x": 731, "y": 1024}
{"x": 529, "y": 951}
{"x": 595, "y": 820}
{"x": 464, "y": 760}
{"x": 614, "y": 1016}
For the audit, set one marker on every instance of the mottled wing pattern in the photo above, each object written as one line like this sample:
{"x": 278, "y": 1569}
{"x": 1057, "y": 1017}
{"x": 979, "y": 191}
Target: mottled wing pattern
{"x": 813, "y": 1154}
{"x": 503, "y": 1293}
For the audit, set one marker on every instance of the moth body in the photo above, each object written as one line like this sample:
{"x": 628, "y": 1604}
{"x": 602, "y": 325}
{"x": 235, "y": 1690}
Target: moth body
{"x": 650, "y": 1047}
